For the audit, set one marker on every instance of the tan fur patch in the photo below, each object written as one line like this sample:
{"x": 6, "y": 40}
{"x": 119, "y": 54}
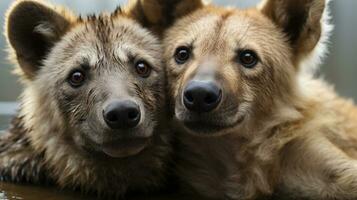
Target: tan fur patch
{"x": 293, "y": 136}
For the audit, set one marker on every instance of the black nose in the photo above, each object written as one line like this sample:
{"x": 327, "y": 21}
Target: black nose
{"x": 202, "y": 96}
{"x": 122, "y": 115}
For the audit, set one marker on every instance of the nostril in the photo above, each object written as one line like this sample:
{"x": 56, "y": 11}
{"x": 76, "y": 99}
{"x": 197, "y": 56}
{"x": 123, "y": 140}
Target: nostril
{"x": 112, "y": 117}
{"x": 133, "y": 115}
{"x": 212, "y": 98}
{"x": 189, "y": 96}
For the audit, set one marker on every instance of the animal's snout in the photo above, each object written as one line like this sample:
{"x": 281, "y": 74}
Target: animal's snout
{"x": 122, "y": 115}
{"x": 202, "y": 96}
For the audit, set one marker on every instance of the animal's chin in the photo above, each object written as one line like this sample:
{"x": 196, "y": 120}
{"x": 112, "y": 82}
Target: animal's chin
{"x": 124, "y": 148}
{"x": 209, "y": 128}
{"x": 115, "y": 147}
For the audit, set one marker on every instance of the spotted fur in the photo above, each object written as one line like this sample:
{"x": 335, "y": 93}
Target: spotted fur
{"x": 58, "y": 133}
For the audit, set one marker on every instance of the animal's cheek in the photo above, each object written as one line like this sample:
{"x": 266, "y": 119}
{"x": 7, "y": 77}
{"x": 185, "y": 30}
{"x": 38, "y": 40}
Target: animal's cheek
{"x": 173, "y": 69}
{"x": 69, "y": 103}
{"x": 175, "y": 86}
{"x": 150, "y": 102}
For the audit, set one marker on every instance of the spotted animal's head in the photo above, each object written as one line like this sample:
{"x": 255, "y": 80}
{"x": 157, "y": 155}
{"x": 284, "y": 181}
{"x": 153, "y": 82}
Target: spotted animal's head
{"x": 96, "y": 81}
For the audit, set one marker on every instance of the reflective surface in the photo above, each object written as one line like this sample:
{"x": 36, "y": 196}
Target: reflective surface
{"x": 22, "y": 192}
{"x": 16, "y": 192}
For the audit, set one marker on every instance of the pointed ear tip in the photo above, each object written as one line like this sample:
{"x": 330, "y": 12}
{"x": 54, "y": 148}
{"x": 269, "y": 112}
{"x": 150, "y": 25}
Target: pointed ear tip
{"x": 11, "y": 12}
{"x": 262, "y": 4}
{"x": 21, "y": 5}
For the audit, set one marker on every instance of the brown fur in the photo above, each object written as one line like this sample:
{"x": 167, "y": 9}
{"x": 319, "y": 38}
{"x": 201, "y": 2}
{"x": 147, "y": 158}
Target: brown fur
{"x": 277, "y": 130}
{"x": 160, "y": 14}
{"x": 59, "y": 133}
{"x": 22, "y": 165}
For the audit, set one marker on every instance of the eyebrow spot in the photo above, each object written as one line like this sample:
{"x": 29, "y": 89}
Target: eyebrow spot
{"x": 84, "y": 64}
{"x": 123, "y": 53}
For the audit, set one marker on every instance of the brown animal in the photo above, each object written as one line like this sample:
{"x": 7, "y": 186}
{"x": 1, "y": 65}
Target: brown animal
{"x": 254, "y": 122}
{"x": 93, "y": 103}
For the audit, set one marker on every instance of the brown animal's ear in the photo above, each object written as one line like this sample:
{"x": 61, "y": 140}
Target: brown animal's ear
{"x": 160, "y": 14}
{"x": 301, "y": 21}
{"x": 32, "y": 28}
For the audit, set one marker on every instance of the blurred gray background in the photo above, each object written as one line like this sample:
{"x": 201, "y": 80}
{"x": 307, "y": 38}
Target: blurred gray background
{"x": 339, "y": 68}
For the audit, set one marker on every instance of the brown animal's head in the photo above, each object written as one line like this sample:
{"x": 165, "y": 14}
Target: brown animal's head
{"x": 228, "y": 68}
{"x": 98, "y": 81}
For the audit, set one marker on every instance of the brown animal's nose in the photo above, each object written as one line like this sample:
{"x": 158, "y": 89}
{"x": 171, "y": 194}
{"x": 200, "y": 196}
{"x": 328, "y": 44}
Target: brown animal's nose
{"x": 202, "y": 96}
{"x": 122, "y": 115}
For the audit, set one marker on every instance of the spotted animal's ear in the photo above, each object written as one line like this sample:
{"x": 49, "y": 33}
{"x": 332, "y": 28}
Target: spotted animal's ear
{"x": 157, "y": 15}
{"x": 32, "y": 28}
{"x": 300, "y": 20}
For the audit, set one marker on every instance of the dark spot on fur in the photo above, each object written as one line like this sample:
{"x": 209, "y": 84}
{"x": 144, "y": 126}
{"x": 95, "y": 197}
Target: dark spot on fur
{"x": 25, "y": 165}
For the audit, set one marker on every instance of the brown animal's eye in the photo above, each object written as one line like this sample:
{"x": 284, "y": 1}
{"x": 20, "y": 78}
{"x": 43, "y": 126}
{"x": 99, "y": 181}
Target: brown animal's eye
{"x": 182, "y": 54}
{"x": 77, "y": 78}
{"x": 248, "y": 58}
{"x": 143, "y": 69}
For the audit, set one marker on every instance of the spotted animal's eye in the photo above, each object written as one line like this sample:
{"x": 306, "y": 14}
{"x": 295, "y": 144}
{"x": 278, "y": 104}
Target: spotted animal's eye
{"x": 248, "y": 58}
{"x": 77, "y": 78}
{"x": 182, "y": 54}
{"x": 143, "y": 69}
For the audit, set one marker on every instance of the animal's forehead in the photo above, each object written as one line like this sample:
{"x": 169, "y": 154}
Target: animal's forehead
{"x": 109, "y": 31}
{"x": 110, "y": 39}
{"x": 232, "y": 22}
{"x": 227, "y": 30}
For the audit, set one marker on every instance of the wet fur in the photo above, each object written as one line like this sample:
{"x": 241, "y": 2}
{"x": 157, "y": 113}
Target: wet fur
{"x": 20, "y": 163}
{"x": 298, "y": 137}
{"x": 46, "y": 142}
